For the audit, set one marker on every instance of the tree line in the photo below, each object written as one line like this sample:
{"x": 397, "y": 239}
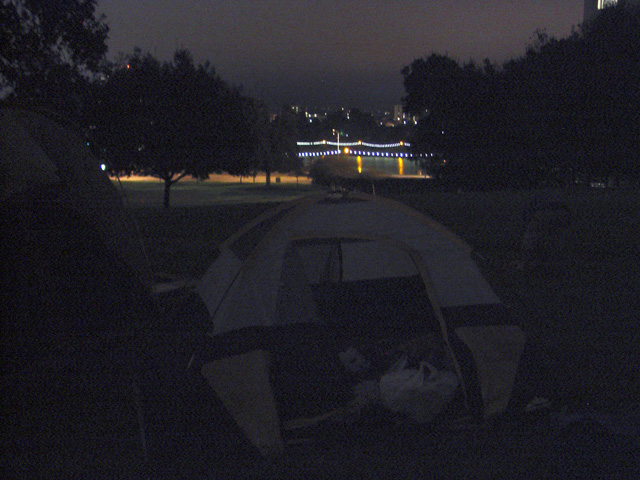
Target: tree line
{"x": 166, "y": 119}
{"x": 567, "y": 110}
{"x": 174, "y": 119}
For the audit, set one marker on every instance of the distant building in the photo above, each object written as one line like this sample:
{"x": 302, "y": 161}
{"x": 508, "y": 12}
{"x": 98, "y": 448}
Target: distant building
{"x": 591, "y": 7}
{"x": 398, "y": 114}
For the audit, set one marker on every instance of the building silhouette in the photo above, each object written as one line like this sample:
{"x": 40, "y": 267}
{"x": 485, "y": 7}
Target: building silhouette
{"x": 592, "y": 7}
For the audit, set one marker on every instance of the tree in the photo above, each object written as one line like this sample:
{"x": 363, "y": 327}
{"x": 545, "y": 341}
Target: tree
{"x": 277, "y": 142}
{"x": 578, "y": 100}
{"x": 163, "y": 119}
{"x": 248, "y": 124}
{"x": 284, "y": 145}
{"x": 567, "y": 107}
{"x": 362, "y": 125}
{"x": 49, "y": 49}
{"x": 456, "y": 107}
{"x": 610, "y": 113}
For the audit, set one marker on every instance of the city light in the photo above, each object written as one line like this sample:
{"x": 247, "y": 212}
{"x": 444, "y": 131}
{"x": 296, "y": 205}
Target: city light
{"x": 353, "y": 144}
{"x": 372, "y": 149}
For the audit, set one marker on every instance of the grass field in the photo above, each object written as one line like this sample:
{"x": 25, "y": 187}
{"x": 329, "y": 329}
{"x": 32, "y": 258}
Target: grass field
{"x": 147, "y": 192}
{"x": 581, "y": 312}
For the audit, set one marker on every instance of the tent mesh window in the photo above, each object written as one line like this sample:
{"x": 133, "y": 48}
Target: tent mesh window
{"x": 378, "y": 309}
{"x": 362, "y": 287}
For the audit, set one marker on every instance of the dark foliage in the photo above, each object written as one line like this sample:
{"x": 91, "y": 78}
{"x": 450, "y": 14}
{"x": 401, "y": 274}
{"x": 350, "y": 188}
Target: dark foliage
{"x": 277, "y": 149}
{"x": 331, "y": 171}
{"x": 49, "y": 49}
{"x": 168, "y": 119}
{"x": 568, "y": 108}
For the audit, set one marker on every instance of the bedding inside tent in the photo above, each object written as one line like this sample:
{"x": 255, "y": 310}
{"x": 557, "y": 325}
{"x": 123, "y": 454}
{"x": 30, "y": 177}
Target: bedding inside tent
{"x": 338, "y": 294}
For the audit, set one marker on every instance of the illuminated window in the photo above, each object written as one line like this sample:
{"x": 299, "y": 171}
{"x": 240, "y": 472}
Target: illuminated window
{"x": 606, "y": 3}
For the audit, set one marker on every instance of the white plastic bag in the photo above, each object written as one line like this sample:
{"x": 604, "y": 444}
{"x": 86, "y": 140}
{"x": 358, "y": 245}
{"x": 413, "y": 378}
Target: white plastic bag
{"x": 420, "y": 393}
{"x": 354, "y": 361}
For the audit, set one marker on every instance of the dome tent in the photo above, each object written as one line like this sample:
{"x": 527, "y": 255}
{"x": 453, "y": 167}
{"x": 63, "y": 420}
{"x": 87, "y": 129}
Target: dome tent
{"x": 91, "y": 385}
{"x": 43, "y": 158}
{"x": 74, "y": 295}
{"x": 358, "y": 267}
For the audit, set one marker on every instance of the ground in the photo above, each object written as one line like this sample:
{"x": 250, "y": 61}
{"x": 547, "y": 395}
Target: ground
{"x": 582, "y": 307}
{"x": 579, "y": 312}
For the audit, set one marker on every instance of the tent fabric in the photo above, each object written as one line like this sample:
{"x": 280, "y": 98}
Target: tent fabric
{"x": 250, "y": 402}
{"x": 73, "y": 305}
{"x": 496, "y": 350}
{"x": 39, "y": 154}
{"x": 366, "y": 265}
{"x": 244, "y": 293}
{"x": 23, "y": 162}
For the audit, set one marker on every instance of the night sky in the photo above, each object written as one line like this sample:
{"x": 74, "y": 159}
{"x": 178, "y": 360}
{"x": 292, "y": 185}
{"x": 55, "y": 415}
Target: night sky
{"x": 331, "y": 53}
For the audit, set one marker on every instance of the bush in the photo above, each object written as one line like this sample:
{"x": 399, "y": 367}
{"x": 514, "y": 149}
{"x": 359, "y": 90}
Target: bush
{"x": 331, "y": 170}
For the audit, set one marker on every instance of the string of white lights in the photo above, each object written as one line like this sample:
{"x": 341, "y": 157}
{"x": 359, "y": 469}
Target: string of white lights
{"x": 365, "y": 153}
{"x": 354, "y": 144}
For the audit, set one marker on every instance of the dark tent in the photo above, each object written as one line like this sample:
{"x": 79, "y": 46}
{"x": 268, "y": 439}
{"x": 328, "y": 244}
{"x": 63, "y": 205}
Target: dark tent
{"x": 75, "y": 293}
{"x": 93, "y": 384}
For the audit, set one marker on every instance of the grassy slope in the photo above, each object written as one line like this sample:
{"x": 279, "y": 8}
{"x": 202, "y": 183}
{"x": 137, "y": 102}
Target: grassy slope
{"x": 581, "y": 311}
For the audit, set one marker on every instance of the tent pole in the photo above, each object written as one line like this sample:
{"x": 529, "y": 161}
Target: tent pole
{"x": 137, "y": 400}
{"x": 441, "y": 320}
